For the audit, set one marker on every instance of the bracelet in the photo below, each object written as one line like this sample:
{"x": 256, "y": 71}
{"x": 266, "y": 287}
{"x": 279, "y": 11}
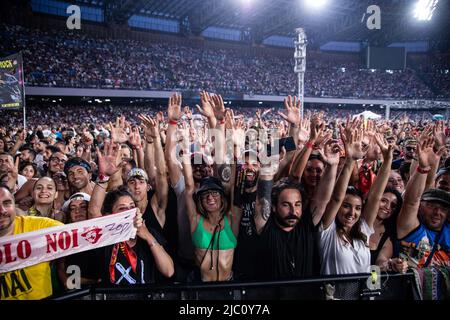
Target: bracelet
{"x": 222, "y": 121}
{"x": 309, "y": 145}
{"x": 173, "y": 122}
{"x": 422, "y": 170}
{"x": 102, "y": 178}
{"x": 99, "y": 184}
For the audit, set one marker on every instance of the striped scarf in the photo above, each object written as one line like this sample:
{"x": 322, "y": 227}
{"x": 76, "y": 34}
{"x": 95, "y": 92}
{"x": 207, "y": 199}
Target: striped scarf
{"x": 433, "y": 283}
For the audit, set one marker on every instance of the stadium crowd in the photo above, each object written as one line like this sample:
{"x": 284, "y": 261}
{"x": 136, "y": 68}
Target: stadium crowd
{"x": 341, "y": 195}
{"x": 67, "y": 59}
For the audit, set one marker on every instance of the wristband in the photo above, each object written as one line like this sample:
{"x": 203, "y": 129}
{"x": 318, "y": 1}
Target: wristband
{"x": 222, "y": 121}
{"x": 422, "y": 170}
{"x": 173, "y": 122}
{"x": 309, "y": 145}
{"x": 102, "y": 178}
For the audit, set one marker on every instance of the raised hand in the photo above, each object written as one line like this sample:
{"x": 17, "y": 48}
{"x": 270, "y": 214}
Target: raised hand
{"x": 440, "y": 139}
{"x": 134, "y": 138}
{"x": 12, "y": 168}
{"x": 206, "y": 108}
{"x": 316, "y": 128}
{"x": 160, "y": 117}
{"x": 305, "y": 129}
{"x": 353, "y": 143}
{"x": 229, "y": 119}
{"x": 108, "y": 162}
{"x": 150, "y": 127}
{"x": 352, "y": 125}
{"x": 87, "y": 139}
{"x": 330, "y": 153}
{"x": 424, "y": 149}
{"x": 322, "y": 138}
{"x": 202, "y": 135}
{"x": 425, "y": 154}
{"x": 118, "y": 133}
{"x": 218, "y": 107}
{"x": 174, "y": 107}
{"x": 292, "y": 110}
{"x": 386, "y": 149}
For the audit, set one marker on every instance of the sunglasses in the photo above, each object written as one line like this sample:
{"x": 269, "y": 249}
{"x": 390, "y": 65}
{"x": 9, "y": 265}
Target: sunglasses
{"x": 206, "y": 194}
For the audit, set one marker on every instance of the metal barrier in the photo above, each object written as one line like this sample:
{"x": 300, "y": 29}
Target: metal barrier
{"x": 345, "y": 287}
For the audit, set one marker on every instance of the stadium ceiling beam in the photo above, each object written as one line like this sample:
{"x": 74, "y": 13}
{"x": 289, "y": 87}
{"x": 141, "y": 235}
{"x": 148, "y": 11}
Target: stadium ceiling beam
{"x": 280, "y": 20}
{"x": 346, "y": 22}
{"x": 126, "y": 9}
{"x": 211, "y": 12}
{"x": 168, "y": 6}
{"x": 156, "y": 6}
{"x": 183, "y": 7}
{"x": 247, "y": 17}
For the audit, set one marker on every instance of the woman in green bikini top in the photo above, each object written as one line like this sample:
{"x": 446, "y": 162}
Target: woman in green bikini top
{"x": 214, "y": 229}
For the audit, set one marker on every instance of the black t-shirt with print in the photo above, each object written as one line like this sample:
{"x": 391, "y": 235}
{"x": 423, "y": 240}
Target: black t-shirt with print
{"x": 244, "y": 264}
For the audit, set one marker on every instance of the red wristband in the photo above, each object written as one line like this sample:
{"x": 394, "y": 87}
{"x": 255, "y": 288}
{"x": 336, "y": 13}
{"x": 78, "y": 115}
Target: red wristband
{"x": 173, "y": 122}
{"x": 309, "y": 145}
{"x": 222, "y": 121}
{"x": 422, "y": 171}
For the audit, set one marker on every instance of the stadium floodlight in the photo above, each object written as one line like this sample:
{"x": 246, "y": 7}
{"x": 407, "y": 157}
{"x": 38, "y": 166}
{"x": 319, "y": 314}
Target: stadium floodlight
{"x": 424, "y": 9}
{"x": 316, "y": 3}
{"x": 246, "y": 3}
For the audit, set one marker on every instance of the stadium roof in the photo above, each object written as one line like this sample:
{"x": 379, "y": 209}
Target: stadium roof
{"x": 338, "y": 20}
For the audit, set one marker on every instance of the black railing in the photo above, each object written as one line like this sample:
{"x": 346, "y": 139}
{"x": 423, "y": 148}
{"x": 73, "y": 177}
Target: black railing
{"x": 348, "y": 287}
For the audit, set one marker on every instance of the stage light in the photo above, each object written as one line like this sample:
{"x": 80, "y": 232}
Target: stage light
{"x": 246, "y": 3}
{"x": 316, "y": 3}
{"x": 424, "y": 9}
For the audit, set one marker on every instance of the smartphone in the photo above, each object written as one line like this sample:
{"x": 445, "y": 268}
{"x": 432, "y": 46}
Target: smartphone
{"x": 288, "y": 143}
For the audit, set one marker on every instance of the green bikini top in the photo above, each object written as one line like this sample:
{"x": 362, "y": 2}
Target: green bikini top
{"x": 223, "y": 239}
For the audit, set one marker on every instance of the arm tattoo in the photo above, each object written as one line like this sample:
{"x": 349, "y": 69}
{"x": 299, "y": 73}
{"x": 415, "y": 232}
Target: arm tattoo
{"x": 265, "y": 209}
{"x": 264, "y": 194}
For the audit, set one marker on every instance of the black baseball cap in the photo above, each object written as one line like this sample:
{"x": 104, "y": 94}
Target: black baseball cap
{"x": 210, "y": 183}
{"x": 437, "y": 195}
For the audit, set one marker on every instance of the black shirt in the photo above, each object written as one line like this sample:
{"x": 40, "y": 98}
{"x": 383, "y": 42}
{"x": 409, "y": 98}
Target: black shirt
{"x": 244, "y": 264}
{"x": 145, "y": 271}
{"x": 287, "y": 255}
{"x": 170, "y": 230}
{"x": 88, "y": 261}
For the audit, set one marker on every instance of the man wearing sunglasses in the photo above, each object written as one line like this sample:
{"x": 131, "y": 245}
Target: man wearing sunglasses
{"x": 409, "y": 154}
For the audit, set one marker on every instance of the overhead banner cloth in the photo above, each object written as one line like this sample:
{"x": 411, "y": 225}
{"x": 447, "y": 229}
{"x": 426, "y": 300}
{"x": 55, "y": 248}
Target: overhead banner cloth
{"x": 12, "y": 93}
{"x": 30, "y": 248}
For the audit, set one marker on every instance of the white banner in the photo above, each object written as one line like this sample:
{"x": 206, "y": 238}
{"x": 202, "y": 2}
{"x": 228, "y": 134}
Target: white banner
{"x": 30, "y": 248}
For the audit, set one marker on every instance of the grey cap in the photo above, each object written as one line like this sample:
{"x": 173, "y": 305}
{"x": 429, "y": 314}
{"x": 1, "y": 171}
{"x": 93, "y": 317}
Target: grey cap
{"x": 437, "y": 195}
{"x": 137, "y": 172}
